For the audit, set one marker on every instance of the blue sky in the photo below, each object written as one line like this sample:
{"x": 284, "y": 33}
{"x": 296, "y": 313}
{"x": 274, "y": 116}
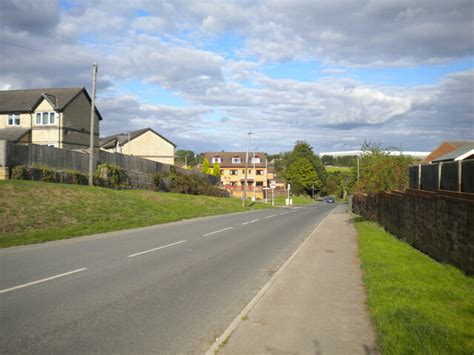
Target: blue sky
{"x": 205, "y": 73}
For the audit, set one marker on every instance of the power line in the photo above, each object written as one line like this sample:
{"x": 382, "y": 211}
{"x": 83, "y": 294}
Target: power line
{"x": 41, "y": 51}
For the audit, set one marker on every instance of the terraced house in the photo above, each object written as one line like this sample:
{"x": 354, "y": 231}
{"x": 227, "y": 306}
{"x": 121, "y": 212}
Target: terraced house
{"x": 58, "y": 117}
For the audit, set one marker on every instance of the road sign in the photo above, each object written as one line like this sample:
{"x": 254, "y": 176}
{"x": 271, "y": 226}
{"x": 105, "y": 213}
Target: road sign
{"x": 273, "y": 184}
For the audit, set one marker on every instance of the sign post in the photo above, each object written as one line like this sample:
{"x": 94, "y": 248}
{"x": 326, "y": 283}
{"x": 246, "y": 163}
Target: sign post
{"x": 288, "y": 200}
{"x": 273, "y": 187}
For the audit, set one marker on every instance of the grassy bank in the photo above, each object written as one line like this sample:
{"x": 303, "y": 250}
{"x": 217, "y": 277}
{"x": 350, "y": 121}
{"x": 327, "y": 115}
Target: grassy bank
{"x": 297, "y": 200}
{"x": 418, "y": 306}
{"x": 35, "y": 212}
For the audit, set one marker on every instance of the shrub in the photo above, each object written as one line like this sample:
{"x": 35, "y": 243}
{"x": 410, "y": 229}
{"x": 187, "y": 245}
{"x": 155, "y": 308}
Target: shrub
{"x": 75, "y": 177}
{"x": 191, "y": 184}
{"x": 160, "y": 181}
{"x": 20, "y": 173}
{"x": 47, "y": 175}
{"x": 112, "y": 176}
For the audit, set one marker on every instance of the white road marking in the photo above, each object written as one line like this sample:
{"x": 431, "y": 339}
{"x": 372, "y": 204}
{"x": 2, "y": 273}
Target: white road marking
{"x": 271, "y": 216}
{"x": 284, "y": 212}
{"x": 253, "y": 221}
{"x": 150, "y": 250}
{"x": 42, "y": 280}
{"x": 220, "y": 230}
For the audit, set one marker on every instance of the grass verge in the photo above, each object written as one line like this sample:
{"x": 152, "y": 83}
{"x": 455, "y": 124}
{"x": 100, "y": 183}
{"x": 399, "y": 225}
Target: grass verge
{"x": 297, "y": 200}
{"x": 35, "y": 212}
{"x": 418, "y": 306}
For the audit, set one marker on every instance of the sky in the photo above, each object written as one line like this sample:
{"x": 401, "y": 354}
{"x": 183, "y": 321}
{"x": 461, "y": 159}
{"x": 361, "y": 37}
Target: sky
{"x": 205, "y": 73}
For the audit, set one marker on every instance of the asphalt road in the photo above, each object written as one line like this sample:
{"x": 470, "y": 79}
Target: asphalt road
{"x": 163, "y": 289}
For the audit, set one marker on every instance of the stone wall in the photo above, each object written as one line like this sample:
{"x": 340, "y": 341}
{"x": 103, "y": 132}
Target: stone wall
{"x": 441, "y": 224}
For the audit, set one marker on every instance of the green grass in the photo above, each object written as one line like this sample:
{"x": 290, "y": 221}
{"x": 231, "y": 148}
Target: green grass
{"x": 35, "y": 212}
{"x": 342, "y": 169}
{"x": 418, "y": 306}
{"x": 297, "y": 200}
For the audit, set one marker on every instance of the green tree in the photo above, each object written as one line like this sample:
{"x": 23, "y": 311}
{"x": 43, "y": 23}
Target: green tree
{"x": 216, "y": 170}
{"x": 302, "y": 176}
{"x": 381, "y": 172}
{"x": 183, "y": 156}
{"x": 205, "y": 166}
{"x": 305, "y": 151}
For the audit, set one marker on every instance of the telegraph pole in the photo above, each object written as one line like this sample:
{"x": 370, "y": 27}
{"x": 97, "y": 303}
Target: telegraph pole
{"x": 244, "y": 194}
{"x": 91, "y": 149}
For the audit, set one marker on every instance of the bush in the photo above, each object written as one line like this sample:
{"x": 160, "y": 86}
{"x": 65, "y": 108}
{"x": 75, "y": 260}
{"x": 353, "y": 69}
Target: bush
{"x": 75, "y": 177}
{"x": 111, "y": 176}
{"x": 160, "y": 181}
{"x": 182, "y": 183}
{"x": 20, "y": 172}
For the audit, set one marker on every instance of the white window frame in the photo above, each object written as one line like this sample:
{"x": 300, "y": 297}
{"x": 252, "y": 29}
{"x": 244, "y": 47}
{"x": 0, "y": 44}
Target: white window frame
{"x": 45, "y": 118}
{"x": 236, "y": 160}
{"x": 233, "y": 172}
{"x": 14, "y": 118}
{"x": 216, "y": 160}
{"x": 256, "y": 160}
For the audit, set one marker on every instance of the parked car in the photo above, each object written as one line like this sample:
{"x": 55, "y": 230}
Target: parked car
{"x": 330, "y": 199}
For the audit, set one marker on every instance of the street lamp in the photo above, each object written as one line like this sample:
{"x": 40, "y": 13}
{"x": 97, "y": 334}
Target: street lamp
{"x": 244, "y": 195}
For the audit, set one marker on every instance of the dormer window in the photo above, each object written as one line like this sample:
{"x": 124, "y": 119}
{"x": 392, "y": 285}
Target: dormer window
{"x": 45, "y": 118}
{"x": 236, "y": 160}
{"x": 13, "y": 119}
{"x": 256, "y": 160}
{"x": 216, "y": 160}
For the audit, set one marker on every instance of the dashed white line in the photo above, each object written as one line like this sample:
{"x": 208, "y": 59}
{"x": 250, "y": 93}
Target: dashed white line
{"x": 162, "y": 247}
{"x": 271, "y": 216}
{"x": 42, "y": 280}
{"x": 248, "y": 222}
{"x": 220, "y": 230}
{"x": 284, "y": 213}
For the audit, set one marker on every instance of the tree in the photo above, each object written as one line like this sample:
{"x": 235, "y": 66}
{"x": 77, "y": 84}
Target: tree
{"x": 305, "y": 151}
{"x": 205, "y": 166}
{"x": 380, "y": 171}
{"x": 183, "y": 156}
{"x": 302, "y": 176}
{"x": 216, "y": 170}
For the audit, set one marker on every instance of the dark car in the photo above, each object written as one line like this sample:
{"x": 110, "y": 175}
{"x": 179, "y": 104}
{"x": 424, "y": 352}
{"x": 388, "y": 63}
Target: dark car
{"x": 330, "y": 200}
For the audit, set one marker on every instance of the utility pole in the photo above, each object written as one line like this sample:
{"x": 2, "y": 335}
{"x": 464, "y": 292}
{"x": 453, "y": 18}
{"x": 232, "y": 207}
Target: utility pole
{"x": 91, "y": 148}
{"x": 358, "y": 174}
{"x": 244, "y": 194}
{"x": 254, "y": 178}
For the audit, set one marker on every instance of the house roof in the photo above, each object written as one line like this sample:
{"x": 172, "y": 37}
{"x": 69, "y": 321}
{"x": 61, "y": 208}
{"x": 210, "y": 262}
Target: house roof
{"x": 122, "y": 138}
{"x": 444, "y": 148}
{"x": 461, "y": 153}
{"x": 13, "y": 134}
{"x": 227, "y": 158}
{"x": 28, "y": 100}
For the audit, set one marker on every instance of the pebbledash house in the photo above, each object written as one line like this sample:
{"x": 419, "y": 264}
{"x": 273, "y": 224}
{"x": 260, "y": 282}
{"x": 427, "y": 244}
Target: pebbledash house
{"x": 57, "y": 117}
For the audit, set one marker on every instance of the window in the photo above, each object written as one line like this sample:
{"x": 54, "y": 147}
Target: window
{"x": 259, "y": 172}
{"x": 259, "y": 183}
{"x": 233, "y": 172}
{"x": 256, "y": 160}
{"x": 216, "y": 160}
{"x": 45, "y": 118}
{"x": 13, "y": 119}
{"x": 236, "y": 160}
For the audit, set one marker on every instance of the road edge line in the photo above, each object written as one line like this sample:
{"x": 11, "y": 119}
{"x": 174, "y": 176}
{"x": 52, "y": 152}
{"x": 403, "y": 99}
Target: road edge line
{"x": 254, "y": 301}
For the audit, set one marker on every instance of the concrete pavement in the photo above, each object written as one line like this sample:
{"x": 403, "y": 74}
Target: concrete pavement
{"x": 314, "y": 305}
